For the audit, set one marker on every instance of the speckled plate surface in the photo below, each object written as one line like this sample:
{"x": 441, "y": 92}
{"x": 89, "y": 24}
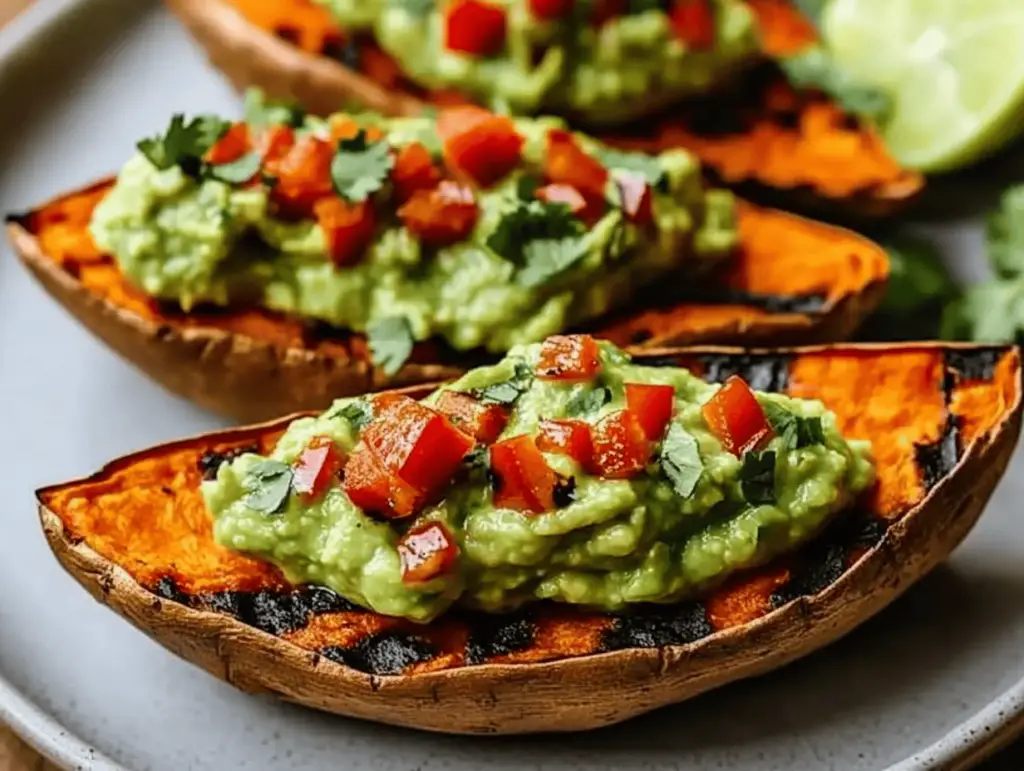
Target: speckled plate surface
{"x": 933, "y": 681}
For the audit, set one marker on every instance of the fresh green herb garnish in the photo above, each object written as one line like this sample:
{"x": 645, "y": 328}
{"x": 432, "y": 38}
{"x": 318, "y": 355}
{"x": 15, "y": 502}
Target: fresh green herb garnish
{"x": 532, "y": 221}
{"x": 640, "y": 163}
{"x": 184, "y": 143}
{"x": 813, "y": 68}
{"x": 414, "y": 7}
{"x": 916, "y": 275}
{"x": 681, "y": 461}
{"x": 391, "y": 343}
{"x": 587, "y": 402}
{"x": 269, "y": 482}
{"x": 795, "y": 431}
{"x": 547, "y": 259}
{"x": 357, "y": 413}
{"x": 526, "y": 187}
{"x": 236, "y": 172}
{"x": 261, "y": 112}
{"x": 757, "y": 477}
{"x": 478, "y": 459}
{"x": 360, "y": 168}
{"x": 508, "y": 391}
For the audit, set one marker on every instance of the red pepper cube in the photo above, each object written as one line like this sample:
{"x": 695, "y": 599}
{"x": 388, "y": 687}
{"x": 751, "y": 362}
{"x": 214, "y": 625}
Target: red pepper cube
{"x": 479, "y": 144}
{"x": 551, "y": 10}
{"x": 569, "y": 357}
{"x": 417, "y": 444}
{"x": 414, "y": 171}
{"x": 370, "y": 487}
{"x": 636, "y": 196}
{"x": 734, "y": 416}
{"x": 567, "y": 437}
{"x": 693, "y": 22}
{"x": 303, "y": 175}
{"x": 348, "y": 228}
{"x": 474, "y": 27}
{"x": 523, "y": 480}
{"x": 316, "y": 468}
{"x": 567, "y": 164}
{"x": 274, "y": 142}
{"x": 566, "y": 194}
{"x": 652, "y": 406}
{"x": 484, "y": 422}
{"x": 621, "y": 448}
{"x": 231, "y": 146}
{"x": 427, "y": 551}
{"x": 442, "y": 216}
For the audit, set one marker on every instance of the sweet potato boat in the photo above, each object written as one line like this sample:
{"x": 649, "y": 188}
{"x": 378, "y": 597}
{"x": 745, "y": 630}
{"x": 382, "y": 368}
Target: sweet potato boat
{"x": 798, "y": 150}
{"x": 944, "y": 421}
{"x": 792, "y": 281}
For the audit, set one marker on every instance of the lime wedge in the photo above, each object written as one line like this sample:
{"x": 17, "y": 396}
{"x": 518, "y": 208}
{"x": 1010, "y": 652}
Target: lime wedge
{"x": 954, "y": 69}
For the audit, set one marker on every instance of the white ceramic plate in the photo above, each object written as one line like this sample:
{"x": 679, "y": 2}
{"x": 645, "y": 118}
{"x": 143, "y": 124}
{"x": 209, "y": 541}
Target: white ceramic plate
{"x": 933, "y": 678}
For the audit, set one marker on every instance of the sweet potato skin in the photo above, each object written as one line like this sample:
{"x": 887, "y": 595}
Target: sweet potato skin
{"x": 593, "y": 690}
{"x": 254, "y": 377}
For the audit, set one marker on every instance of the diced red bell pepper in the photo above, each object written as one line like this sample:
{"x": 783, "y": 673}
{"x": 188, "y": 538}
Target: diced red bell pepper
{"x": 316, "y": 468}
{"x": 370, "y": 487}
{"x": 427, "y": 551}
{"x": 479, "y": 144}
{"x": 636, "y": 196}
{"x": 693, "y": 22}
{"x": 442, "y": 216}
{"x": 303, "y": 176}
{"x": 568, "y": 357}
{"x": 348, "y": 228}
{"x": 550, "y": 10}
{"x": 606, "y": 10}
{"x": 567, "y": 437}
{"x": 484, "y": 422}
{"x": 566, "y": 194}
{"x": 417, "y": 444}
{"x": 523, "y": 480}
{"x": 567, "y": 164}
{"x": 274, "y": 142}
{"x": 231, "y": 146}
{"x": 621, "y": 448}
{"x": 652, "y": 406}
{"x": 734, "y": 416}
{"x": 474, "y": 27}
{"x": 414, "y": 171}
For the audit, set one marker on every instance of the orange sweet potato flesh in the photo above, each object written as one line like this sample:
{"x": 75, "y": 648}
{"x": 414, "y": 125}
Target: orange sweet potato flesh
{"x": 762, "y": 136}
{"x": 781, "y": 256}
{"x": 923, "y": 407}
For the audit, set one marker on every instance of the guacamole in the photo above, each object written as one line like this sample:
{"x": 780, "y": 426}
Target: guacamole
{"x": 604, "y": 62}
{"x": 620, "y": 519}
{"x": 497, "y": 234}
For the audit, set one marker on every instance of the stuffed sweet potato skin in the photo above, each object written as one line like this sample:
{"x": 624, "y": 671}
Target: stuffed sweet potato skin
{"x": 944, "y": 421}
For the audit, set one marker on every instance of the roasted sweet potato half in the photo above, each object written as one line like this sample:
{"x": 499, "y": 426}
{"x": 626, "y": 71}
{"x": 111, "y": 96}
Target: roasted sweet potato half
{"x": 944, "y": 421}
{"x": 792, "y": 281}
{"x": 800, "y": 150}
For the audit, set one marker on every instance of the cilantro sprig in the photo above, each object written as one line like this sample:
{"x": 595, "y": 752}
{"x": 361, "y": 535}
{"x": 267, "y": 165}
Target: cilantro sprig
{"x": 269, "y": 484}
{"x": 543, "y": 239}
{"x": 184, "y": 143}
{"x": 360, "y": 167}
{"x": 391, "y": 342}
{"x": 507, "y": 392}
{"x": 680, "y": 460}
{"x": 814, "y": 68}
{"x": 794, "y": 430}
{"x": 757, "y": 477}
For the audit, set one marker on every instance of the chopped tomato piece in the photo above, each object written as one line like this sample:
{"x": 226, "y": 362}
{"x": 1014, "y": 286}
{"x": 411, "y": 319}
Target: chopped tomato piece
{"x": 344, "y": 127}
{"x": 568, "y": 357}
{"x": 274, "y": 142}
{"x": 233, "y": 145}
{"x": 316, "y": 467}
{"x": 484, "y": 422}
{"x": 736, "y": 418}
{"x": 567, "y": 164}
{"x": 637, "y": 197}
{"x": 621, "y": 449}
{"x": 427, "y": 551}
{"x": 474, "y": 27}
{"x": 606, "y": 10}
{"x": 566, "y": 194}
{"x": 414, "y": 171}
{"x": 370, "y": 487}
{"x": 523, "y": 480}
{"x": 693, "y": 22}
{"x": 652, "y": 406}
{"x": 567, "y": 437}
{"x": 479, "y": 144}
{"x": 442, "y": 216}
{"x": 348, "y": 228}
{"x": 551, "y": 9}
{"x": 303, "y": 176}
{"x": 417, "y": 444}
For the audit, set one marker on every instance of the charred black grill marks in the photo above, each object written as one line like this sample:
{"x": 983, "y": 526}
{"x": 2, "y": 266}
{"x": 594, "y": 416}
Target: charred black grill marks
{"x": 763, "y": 372}
{"x": 656, "y": 627}
{"x": 498, "y": 635}
{"x": 211, "y": 461}
{"x": 978, "y": 364}
{"x": 935, "y": 461}
{"x": 386, "y": 653}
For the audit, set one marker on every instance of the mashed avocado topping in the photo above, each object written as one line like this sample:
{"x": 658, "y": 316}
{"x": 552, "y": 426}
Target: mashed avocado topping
{"x": 471, "y": 227}
{"x": 606, "y": 61}
{"x": 566, "y": 472}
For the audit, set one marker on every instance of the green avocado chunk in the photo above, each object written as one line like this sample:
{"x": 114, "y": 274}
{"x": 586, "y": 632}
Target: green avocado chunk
{"x": 696, "y": 515}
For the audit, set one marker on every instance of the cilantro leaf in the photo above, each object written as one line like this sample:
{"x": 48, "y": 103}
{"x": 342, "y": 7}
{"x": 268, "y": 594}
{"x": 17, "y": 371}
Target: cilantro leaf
{"x": 391, "y": 343}
{"x": 795, "y": 431}
{"x": 1005, "y": 234}
{"x": 269, "y": 482}
{"x": 532, "y": 221}
{"x": 184, "y": 143}
{"x": 757, "y": 477}
{"x": 640, "y": 163}
{"x": 680, "y": 460}
{"x": 587, "y": 402}
{"x": 477, "y": 459}
{"x": 360, "y": 168}
{"x": 546, "y": 259}
{"x": 357, "y": 413}
{"x": 917, "y": 275}
{"x": 508, "y": 391}
{"x": 418, "y": 8}
{"x": 813, "y": 68}
{"x": 236, "y": 172}
{"x": 261, "y": 112}
{"x": 526, "y": 187}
